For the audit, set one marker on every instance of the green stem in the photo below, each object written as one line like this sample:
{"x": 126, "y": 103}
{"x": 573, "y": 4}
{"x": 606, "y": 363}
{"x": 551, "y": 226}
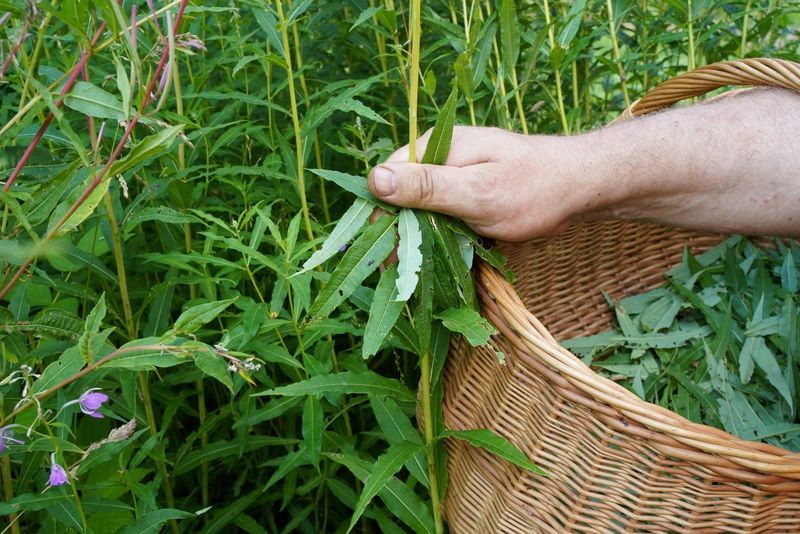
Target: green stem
{"x": 416, "y": 30}
{"x": 425, "y": 363}
{"x": 691, "y": 33}
{"x": 503, "y": 115}
{"x": 551, "y": 36}
{"x": 201, "y": 413}
{"x": 153, "y": 430}
{"x": 298, "y": 55}
{"x": 427, "y": 415}
{"x": 8, "y": 490}
{"x": 120, "y": 263}
{"x": 745, "y": 23}
{"x": 617, "y": 55}
{"x": 298, "y": 139}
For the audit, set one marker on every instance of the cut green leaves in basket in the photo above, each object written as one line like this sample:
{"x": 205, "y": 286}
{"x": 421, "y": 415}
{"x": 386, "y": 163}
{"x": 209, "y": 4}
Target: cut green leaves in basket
{"x": 718, "y": 344}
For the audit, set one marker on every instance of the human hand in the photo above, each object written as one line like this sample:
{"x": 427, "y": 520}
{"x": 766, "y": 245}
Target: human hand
{"x": 504, "y": 185}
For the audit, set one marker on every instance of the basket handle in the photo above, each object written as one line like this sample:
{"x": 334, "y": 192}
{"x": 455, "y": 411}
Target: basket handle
{"x": 748, "y": 72}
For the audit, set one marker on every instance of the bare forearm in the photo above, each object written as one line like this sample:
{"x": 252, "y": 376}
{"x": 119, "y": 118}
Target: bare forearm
{"x": 731, "y": 166}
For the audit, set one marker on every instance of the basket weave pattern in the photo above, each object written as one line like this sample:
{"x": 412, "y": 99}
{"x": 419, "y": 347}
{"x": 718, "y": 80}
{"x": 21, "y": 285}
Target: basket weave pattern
{"x": 615, "y": 463}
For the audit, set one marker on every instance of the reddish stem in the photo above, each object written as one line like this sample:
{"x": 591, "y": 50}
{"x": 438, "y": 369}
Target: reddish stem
{"x": 114, "y": 155}
{"x": 14, "y": 50}
{"x": 88, "y": 369}
{"x": 73, "y": 77}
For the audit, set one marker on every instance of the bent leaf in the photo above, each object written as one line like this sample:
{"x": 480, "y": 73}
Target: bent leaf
{"x": 469, "y": 323}
{"x": 488, "y": 440}
{"x": 409, "y": 257}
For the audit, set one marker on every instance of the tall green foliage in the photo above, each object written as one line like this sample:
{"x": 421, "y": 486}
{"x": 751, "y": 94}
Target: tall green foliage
{"x": 189, "y": 233}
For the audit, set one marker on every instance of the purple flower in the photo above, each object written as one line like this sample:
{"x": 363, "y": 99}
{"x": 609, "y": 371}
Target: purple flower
{"x": 58, "y": 476}
{"x": 343, "y": 248}
{"x": 91, "y": 401}
{"x": 8, "y": 435}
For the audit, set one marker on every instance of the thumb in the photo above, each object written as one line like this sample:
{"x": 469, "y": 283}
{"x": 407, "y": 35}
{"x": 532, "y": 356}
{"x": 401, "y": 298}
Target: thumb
{"x": 414, "y": 185}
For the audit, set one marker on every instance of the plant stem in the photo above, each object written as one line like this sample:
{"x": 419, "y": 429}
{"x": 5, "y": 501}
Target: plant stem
{"x": 503, "y": 115}
{"x": 617, "y": 55}
{"x": 8, "y": 490}
{"x": 73, "y": 77}
{"x": 153, "y": 430}
{"x": 745, "y": 23}
{"x": 416, "y": 30}
{"x": 643, "y": 36}
{"x": 425, "y": 362}
{"x": 551, "y": 36}
{"x": 298, "y": 55}
{"x": 98, "y": 179}
{"x": 691, "y": 33}
{"x": 120, "y": 262}
{"x": 298, "y": 138}
{"x": 427, "y": 415}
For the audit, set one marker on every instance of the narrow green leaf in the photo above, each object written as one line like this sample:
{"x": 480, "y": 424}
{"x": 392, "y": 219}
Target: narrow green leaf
{"x": 352, "y": 220}
{"x": 69, "y": 363}
{"x": 192, "y": 319}
{"x": 468, "y": 322}
{"x": 439, "y": 143}
{"x": 146, "y": 359}
{"x": 31, "y": 502}
{"x": 291, "y": 461}
{"x": 361, "y": 259}
{"x": 399, "y": 499}
{"x": 354, "y": 184}
{"x": 274, "y": 408}
{"x": 789, "y": 277}
{"x": 509, "y": 35}
{"x": 92, "y": 326}
{"x": 766, "y": 361}
{"x": 488, "y": 440}
{"x": 364, "y": 382}
{"x": 225, "y": 449}
{"x": 359, "y": 108}
{"x": 409, "y": 257}
{"x": 123, "y": 86}
{"x": 151, "y": 522}
{"x": 146, "y": 149}
{"x": 211, "y": 364}
{"x": 84, "y": 210}
{"x": 383, "y": 313}
{"x": 397, "y": 428}
{"x": 386, "y": 466}
{"x": 312, "y": 429}
{"x": 269, "y": 23}
{"x": 95, "y": 102}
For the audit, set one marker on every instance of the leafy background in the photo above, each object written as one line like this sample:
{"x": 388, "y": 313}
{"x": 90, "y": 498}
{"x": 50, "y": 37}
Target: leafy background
{"x": 191, "y": 237}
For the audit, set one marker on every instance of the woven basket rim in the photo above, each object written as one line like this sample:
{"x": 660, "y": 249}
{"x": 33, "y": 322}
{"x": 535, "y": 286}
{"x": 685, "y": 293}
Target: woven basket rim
{"x": 761, "y": 463}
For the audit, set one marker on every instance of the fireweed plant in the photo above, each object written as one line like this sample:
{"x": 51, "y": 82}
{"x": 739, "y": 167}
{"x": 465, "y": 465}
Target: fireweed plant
{"x": 200, "y": 327}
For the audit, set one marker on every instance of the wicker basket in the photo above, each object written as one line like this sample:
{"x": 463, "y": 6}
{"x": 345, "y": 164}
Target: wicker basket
{"x": 615, "y": 463}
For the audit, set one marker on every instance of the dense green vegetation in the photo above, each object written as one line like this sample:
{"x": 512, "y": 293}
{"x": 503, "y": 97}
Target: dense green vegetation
{"x": 152, "y": 235}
